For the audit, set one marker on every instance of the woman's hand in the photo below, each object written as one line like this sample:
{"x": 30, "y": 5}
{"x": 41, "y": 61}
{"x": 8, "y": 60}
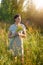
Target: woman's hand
{"x": 22, "y": 34}
{"x": 10, "y": 35}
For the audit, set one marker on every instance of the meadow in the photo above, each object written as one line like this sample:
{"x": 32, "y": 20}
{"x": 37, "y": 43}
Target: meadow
{"x": 33, "y": 47}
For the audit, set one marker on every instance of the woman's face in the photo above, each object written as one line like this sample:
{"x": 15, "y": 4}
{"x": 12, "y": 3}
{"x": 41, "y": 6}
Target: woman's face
{"x": 18, "y": 19}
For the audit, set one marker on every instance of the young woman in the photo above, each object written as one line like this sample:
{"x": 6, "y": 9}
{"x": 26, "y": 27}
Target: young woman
{"x": 16, "y": 37}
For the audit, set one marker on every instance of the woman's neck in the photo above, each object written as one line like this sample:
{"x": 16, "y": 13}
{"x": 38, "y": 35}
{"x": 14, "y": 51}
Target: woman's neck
{"x": 17, "y": 23}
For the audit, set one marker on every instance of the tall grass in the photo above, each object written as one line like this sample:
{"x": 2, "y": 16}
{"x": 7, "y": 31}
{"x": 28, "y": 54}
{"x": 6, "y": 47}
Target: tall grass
{"x": 33, "y": 48}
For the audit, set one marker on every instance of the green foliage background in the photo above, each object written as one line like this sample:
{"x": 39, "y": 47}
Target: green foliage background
{"x": 33, "y": 43}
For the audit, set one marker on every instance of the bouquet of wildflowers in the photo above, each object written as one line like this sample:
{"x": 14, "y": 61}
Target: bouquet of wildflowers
{"x": 20, "y": 28}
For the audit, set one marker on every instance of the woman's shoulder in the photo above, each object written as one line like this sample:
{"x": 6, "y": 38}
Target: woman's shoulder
{"x": 12, "y": 25}
{"x": 23, "y": 25}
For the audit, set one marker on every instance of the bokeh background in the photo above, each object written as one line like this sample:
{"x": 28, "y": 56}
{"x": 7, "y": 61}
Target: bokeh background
{"x": 32, "y": 17}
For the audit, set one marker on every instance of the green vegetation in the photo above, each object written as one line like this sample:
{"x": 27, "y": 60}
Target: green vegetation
{"x": 33, "y": 48}
{"x": 33, "y": 43}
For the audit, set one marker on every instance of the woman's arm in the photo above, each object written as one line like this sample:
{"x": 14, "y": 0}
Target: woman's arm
{"x": 22, "y": 34}
{"x": 10, "y": 35}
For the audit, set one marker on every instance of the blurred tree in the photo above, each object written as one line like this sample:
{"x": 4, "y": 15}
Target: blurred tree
{"x": 9, "y": 8}
{"x": 24, "y": 7}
